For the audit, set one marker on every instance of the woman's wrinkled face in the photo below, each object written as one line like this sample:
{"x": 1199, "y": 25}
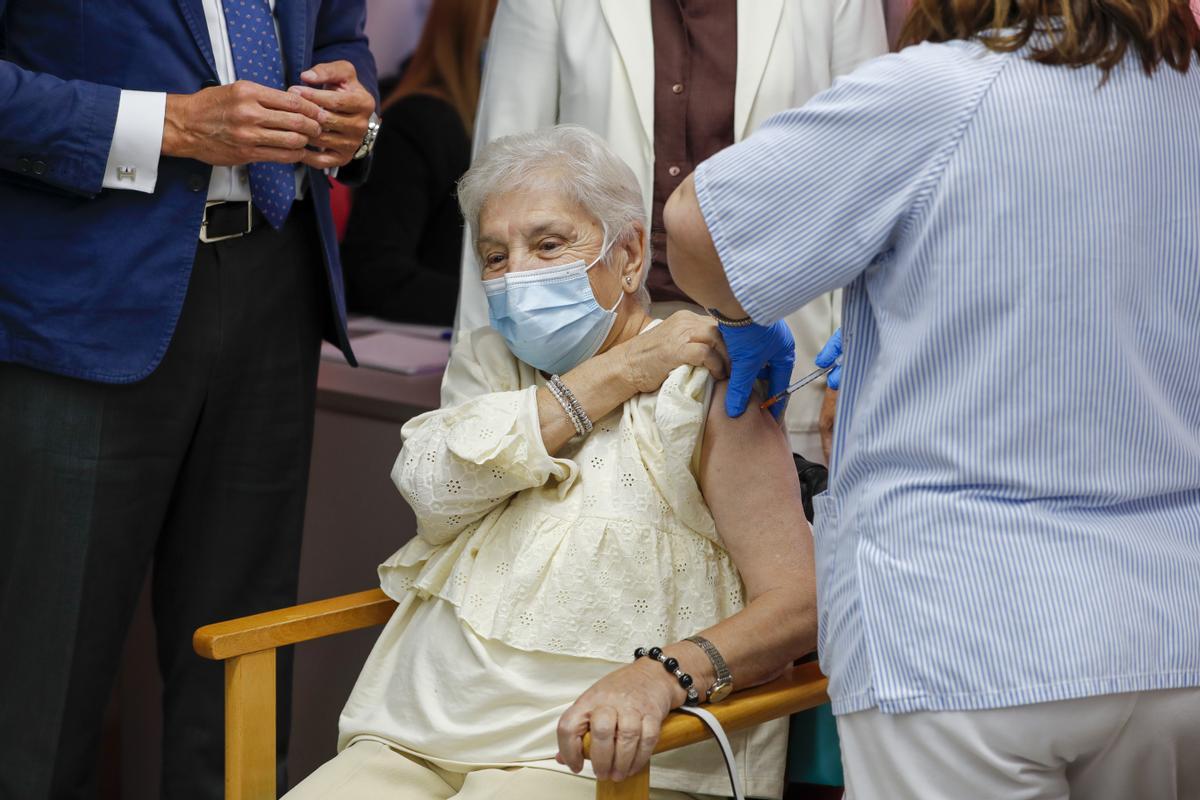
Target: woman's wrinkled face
{"x": 531, "y": 229}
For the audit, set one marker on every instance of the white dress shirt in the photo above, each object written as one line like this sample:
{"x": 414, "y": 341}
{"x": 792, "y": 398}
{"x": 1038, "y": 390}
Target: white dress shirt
{"x": 137, "y": 138}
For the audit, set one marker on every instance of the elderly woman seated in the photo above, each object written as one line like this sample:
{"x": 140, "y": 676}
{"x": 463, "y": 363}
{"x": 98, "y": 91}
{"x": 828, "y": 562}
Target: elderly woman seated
{"x": 579, "y": 495}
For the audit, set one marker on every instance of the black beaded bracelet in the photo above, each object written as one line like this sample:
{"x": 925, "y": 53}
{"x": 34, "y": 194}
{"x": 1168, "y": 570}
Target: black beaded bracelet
{"x": 672, "y": 666}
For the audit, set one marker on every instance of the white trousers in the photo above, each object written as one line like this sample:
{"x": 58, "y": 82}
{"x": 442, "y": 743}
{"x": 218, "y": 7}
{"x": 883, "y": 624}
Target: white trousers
{"x": 1139, "y": 746}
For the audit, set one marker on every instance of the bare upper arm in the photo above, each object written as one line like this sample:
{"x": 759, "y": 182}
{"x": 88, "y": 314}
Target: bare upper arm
{"x": 749, "y": 481}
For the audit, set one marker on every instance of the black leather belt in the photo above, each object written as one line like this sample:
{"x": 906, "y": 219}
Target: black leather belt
{"x": 229, "y": 221}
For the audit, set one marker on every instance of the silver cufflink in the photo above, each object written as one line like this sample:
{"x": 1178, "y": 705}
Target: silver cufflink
{"x": 126, "y": 173}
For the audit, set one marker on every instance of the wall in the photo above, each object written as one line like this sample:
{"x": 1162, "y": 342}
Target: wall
{"x": 394, "y": 26}
{"x": 894, "y": 11}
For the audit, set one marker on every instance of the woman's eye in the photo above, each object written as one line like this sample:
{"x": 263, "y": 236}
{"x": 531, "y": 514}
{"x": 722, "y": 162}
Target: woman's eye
{"x": 493, "y": 260}
{"x": 550, "y": 245}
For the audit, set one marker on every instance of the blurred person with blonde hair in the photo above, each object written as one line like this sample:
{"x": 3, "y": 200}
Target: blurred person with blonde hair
{"x": 404, "y": 239}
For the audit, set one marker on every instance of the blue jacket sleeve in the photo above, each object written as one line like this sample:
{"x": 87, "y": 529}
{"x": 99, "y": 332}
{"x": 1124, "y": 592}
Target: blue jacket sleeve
{"x": 53, "y": 131}
{"x": 340, "y": 36}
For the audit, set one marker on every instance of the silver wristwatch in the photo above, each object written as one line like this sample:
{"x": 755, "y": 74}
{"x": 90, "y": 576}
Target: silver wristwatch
{"x": 368, "y": 142}
{"x": 723, "y": 686}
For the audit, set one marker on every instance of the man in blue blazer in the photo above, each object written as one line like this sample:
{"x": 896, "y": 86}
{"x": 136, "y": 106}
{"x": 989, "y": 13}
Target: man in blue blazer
{"x": 167, "y": 269}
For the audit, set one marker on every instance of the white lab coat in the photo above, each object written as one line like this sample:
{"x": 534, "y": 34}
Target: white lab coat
{"x": 591, "y": 62}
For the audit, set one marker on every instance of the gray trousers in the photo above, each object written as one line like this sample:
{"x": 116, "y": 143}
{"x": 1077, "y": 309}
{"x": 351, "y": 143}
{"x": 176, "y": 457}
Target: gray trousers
{"x": 198, "y": 472}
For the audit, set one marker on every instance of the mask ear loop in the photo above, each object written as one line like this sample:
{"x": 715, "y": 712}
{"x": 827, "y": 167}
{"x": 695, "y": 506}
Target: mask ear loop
{"x": 607, "y": 245}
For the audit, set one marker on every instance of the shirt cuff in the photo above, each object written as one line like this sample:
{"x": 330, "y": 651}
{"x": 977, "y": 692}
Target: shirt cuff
{"x": 137, "y": 142}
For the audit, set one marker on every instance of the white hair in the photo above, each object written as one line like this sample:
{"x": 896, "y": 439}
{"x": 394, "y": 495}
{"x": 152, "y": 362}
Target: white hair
{"x": 571, "y": 160}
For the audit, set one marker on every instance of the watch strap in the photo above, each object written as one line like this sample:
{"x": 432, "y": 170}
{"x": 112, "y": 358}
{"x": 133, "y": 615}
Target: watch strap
{"x": 718, "y": 662}
{"x": 368, "y": 142}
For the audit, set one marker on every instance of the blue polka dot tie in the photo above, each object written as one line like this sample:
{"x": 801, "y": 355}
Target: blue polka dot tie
{"x": 256, "y": 57}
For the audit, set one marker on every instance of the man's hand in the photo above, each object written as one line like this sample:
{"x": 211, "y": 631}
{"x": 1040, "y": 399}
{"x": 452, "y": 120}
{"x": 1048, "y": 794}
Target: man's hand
{"x": 240, "y": 123}
{"x": 826, "y": 421}
{"x": 831, "y": 353}
{"x": 348, "y": 107}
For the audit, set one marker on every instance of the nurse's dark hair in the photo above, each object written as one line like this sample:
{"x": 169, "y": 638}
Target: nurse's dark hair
{"x": 1073, "y": 33}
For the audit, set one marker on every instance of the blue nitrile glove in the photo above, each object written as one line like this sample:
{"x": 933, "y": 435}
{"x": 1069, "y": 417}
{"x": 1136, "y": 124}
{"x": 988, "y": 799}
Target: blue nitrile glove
{"x": 830, "y": 353}
{"x": 755, "y": 351}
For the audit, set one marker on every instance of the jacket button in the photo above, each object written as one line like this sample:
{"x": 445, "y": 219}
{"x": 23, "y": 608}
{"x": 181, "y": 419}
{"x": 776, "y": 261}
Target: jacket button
{"x": 39, "y": 168}
{"x": 23, "y": 164}
{"x": 196, "y": 182}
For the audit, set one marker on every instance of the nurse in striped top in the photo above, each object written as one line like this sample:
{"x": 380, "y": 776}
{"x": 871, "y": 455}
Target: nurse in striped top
{"x": 1008, "y": 559}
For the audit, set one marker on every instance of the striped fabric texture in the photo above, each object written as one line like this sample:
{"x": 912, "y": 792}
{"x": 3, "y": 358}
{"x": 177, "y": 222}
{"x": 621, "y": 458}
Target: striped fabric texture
{"x": 1014, "y": 511}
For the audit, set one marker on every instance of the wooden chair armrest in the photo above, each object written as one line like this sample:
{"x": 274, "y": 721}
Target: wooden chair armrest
{"x": 247, "y": 646}
{"x": 272, "y": 629}
{"x": 798, "y": 689}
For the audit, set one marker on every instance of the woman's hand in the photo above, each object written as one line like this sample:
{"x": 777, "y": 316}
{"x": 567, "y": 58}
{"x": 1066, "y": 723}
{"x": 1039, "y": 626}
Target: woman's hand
{"x": 683, "y": 338}
{"x": 636, "y": 366}
{"x": 624, "y": 711}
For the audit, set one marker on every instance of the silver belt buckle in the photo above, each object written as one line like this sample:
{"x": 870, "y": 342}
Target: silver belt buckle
{"x": 204, "y": 237}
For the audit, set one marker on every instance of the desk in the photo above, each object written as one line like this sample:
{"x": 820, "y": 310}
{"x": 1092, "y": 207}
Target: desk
{"x": 374, "y": 394}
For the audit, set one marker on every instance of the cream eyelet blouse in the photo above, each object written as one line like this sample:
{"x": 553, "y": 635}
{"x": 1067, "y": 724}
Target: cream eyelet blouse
{"x": 531, "y": 575}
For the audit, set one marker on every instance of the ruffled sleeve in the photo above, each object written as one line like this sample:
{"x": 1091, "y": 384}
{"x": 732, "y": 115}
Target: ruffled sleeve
{"x": 669, "y": 430}
{"x": 484, "y": 445}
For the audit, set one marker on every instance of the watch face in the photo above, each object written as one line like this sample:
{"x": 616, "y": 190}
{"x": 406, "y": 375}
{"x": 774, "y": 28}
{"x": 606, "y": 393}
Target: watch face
{"x": 719, "y": 691}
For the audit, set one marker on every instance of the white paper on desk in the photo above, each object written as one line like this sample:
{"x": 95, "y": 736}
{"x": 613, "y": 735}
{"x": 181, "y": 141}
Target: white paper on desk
{"x": 395, "y": 352}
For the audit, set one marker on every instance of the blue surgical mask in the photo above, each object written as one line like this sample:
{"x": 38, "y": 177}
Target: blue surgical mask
{"x": 550, "y": 317}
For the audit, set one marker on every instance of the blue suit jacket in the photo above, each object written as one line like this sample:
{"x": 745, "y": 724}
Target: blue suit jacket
{"x": 92, "y": 280}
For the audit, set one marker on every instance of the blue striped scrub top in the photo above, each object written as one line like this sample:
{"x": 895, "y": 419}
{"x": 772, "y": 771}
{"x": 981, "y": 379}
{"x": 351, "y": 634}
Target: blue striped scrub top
{"x": 1014, "y": 508}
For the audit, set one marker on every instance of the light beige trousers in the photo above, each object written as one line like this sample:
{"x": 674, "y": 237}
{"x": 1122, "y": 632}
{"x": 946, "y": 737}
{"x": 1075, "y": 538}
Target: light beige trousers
{"x": 369, "y": 770}
{"x": 1137, "y": 746}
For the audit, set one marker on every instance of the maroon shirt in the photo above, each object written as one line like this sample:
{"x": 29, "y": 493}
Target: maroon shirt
{"x": 695, "y": 75}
